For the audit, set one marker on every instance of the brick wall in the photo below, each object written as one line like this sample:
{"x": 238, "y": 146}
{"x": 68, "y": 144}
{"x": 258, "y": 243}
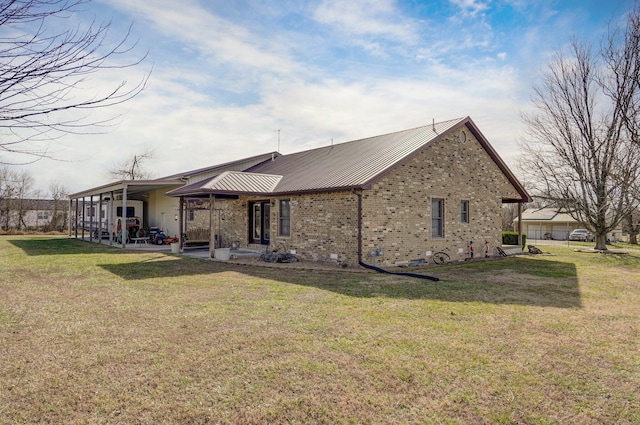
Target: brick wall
{"x": 324, "y": 227}
{"x": 397, "y": 210}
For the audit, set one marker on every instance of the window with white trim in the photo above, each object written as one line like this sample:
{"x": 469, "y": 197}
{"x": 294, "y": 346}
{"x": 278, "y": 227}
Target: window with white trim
{"x": 464, "y": 211}
{"x": 437, "y": 218}
{"x": 284, "y": 218}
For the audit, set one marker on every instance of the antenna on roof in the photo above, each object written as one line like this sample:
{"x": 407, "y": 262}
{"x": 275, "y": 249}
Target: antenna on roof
{"x": 332, "y": 141}
{"x": 278, "y": 130}
{"x": 433, "y": 124}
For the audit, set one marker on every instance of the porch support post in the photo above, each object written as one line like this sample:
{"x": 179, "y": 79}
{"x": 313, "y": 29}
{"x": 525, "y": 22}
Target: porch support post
{"x": 520, "y": 224}
{"x": 181, "y": 224}
{"x": 76, "y": 218}
{"x": 69, "y": 207}
{"x": 91, "y": 215}
{"x": 100, "y": 219}
{"x": 212, "y": 236}
{"x": 124, "y": 231}
{"x": 84, "y": 218}
{"x": 112, "y": 218}
{"x": 185, "y": 223}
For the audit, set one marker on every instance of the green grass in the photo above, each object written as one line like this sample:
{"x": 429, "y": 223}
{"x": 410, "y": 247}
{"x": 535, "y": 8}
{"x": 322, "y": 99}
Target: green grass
{"x": 91, "y": 334}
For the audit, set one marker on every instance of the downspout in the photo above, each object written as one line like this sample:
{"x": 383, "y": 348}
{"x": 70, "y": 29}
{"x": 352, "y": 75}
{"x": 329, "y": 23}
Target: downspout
{"x": 359, "y": 195}
{"x": 378, "y": 269}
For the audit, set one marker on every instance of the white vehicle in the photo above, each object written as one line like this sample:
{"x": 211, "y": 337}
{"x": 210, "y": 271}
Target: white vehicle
{"x": 106, "y": 222}
{"x": 581, "y": 235}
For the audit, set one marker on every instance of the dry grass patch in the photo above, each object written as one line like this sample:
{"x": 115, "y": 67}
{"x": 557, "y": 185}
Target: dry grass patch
{"x": 92, "y": 334}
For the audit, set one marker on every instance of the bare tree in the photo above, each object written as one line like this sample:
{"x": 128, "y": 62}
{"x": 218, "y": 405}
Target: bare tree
{"x": 132, "y": 168}
{"x": 15, "y": 189}
{"x": 42, "y": 72}
{"x": 582, "y": 147}
{"x": 24, "y": 191}
{"x": 58, "y": 193}
{"x": 632, "y": 226}
{"x": 6, "y": 196}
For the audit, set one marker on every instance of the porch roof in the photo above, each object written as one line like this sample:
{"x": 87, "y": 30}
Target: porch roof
{"x": 133, "y": 186}
{"x": 231, "y": 182}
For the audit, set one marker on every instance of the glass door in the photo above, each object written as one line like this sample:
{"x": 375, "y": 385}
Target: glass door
{"x": 260, "y": 222}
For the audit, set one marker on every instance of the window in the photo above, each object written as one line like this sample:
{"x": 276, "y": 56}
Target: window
{"x": 464, "y": 211}
{"x": 192, "y": 215}
{"x": 284, "y": 228}
{"x": 43, "y": 215}
{"x": 131, "y": 211}
{"x": 437, "y": 218}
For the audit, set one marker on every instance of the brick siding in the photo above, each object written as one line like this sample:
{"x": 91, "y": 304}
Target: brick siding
{"x": 396, "y": 211}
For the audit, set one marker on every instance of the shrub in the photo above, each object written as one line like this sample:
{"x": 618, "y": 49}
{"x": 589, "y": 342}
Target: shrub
{"x": 511, "y": 238}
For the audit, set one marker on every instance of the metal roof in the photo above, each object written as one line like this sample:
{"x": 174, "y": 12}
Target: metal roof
{"x": 351, "y": 164}
{"x": 231, "y": 182}
{"x": 136, "y": 186}
{"x": 237, "y": 165}
{"x": 133, "y": 186}
{"x": 344, "y": 166}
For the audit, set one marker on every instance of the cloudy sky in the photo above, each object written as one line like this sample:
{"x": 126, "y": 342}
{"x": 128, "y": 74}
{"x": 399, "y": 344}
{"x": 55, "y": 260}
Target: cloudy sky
{"x": 226, "y": 75}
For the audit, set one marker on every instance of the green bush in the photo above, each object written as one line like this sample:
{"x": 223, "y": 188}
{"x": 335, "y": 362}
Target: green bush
{"x": 511, "y": 238}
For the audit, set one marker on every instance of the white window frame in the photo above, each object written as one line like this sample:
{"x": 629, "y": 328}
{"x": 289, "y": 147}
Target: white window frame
{"x": 437, "y": 218}
{"x": 284, "y": 231}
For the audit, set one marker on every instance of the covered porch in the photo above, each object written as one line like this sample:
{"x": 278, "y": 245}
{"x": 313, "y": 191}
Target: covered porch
{"x": 99, "y": 214}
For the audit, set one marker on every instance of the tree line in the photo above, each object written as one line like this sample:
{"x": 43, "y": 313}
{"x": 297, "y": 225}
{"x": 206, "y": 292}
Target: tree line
{"x": 25, "y": 207}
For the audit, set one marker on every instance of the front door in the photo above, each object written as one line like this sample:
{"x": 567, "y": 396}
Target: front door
{"x": 260, "y": 222}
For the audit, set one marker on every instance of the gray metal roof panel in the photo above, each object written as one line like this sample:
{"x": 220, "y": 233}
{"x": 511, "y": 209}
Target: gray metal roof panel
{"x": 354, "y": 164}
{"x": 351, "y": 164}
{"x": 227, "y": 166}
{"x": 241, "y": 182}
{"x": 231, "y": 182}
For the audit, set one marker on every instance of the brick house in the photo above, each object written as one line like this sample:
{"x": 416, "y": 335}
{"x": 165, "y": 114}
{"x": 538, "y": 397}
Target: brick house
{"x": 402, "y": 196}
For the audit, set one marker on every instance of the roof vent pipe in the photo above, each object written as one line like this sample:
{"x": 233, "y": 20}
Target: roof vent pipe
{"x": 433, "y": 124}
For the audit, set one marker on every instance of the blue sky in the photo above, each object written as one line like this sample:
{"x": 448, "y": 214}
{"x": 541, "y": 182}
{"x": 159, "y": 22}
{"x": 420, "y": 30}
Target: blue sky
{"x": 228, "y": 74}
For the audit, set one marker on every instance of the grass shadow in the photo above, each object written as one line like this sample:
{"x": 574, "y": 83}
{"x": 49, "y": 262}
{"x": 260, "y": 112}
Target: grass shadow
{"x": 516, "y": 281}
{"x": 35, "y": 246}
{"x": 520, "y": 280}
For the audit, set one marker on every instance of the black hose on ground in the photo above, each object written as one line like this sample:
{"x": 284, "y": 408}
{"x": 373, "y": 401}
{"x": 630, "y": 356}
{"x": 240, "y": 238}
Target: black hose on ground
{"x": 378, "y": 269}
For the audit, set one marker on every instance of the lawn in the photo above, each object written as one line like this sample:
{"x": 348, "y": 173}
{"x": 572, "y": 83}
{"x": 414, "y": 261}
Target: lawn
{"x": 91, "y": 335}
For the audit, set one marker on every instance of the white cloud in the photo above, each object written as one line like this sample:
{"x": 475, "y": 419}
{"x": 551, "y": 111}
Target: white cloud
{"x": 210, "y": 35}
{"x": 226, "y": 85}
{"x": 471, "y": 7}
{"x": 378, "y": 18}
